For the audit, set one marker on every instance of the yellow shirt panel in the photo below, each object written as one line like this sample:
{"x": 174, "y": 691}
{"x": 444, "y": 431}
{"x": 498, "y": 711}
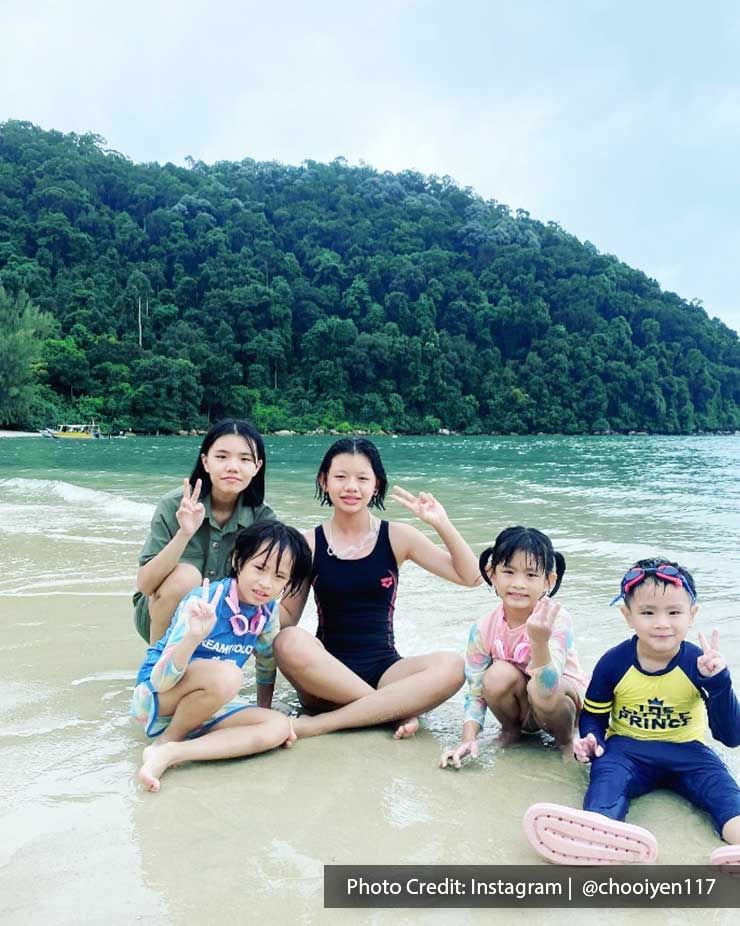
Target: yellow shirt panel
{"x": 658, "y": 707}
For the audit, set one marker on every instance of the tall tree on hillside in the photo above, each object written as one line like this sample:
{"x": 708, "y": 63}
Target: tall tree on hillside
{"x": 22, "y": 327}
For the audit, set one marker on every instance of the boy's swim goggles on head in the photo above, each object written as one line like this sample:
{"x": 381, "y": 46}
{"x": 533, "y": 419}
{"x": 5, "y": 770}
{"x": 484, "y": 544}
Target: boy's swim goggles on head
{"x": 634, "y": 577}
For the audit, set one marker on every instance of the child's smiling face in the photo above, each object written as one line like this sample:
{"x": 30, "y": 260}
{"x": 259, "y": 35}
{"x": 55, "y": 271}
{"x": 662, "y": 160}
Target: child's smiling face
{"x": 263, "y": 578}
{"x": 520, "y": 583}
{"x": 350, "y": 482}
{"x": 660, "y": 614}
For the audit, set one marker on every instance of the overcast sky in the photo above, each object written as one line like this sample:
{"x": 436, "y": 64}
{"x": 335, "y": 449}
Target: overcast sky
{"x": 619, "y": 119}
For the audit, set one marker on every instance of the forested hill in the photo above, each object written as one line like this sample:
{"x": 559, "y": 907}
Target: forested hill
{"x": 159, "y": 297}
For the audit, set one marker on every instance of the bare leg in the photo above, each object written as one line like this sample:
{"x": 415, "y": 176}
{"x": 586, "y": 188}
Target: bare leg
{"x": 250, "y": 731}
{"x": 557, "y": 714}
{"x": 206, "y": 686}
{"x": 408, "y": 725}
{"x": 505, "y": 693}
{"x": 408, "y": 688}
{"x": 322, "y": 682}
{"x": 163, "y": 603}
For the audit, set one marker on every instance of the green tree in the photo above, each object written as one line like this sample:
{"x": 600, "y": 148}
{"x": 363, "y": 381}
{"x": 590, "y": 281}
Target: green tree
{"x": 22, "y": 328}
{"x": 326, "y": 295}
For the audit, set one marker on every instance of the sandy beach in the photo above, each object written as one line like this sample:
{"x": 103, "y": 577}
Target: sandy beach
{"x": 81, "y": 842}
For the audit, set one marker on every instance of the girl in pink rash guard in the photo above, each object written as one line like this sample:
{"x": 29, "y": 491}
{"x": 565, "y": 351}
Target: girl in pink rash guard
{"x": 521, "y": 661}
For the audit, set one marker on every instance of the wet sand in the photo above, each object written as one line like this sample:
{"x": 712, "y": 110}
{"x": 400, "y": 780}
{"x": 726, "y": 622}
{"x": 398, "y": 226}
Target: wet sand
{"x": 246, "y": 840}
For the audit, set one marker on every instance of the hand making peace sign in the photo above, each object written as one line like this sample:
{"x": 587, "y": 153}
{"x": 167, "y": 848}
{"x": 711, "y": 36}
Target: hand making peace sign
{"x": 424, "y": 505}
{"x": 201, "y": 613}
{"x": 191, "y": 512}
{"x": 711, "y": 662}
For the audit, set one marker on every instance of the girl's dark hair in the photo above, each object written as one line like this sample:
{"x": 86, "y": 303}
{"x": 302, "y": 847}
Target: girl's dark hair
{"x": 528, "y": 540}
{"x": 254, "y": 494}
{"x": 354, "y": 445}
{"x": 651, "y": 577}
{"x": 265, "y": 536}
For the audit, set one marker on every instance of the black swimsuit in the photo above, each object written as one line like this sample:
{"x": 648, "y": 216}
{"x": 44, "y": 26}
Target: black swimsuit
{"x": 355, "y": 600}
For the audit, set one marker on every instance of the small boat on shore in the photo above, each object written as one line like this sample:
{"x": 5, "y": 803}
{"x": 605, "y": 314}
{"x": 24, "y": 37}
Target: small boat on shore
{"x": 73, "y": 432}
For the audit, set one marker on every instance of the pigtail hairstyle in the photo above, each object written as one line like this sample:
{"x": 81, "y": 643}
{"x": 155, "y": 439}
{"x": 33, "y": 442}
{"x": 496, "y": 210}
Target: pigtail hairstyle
{"x": 528, "y": 540}
{"x": 559, "y": 572}
{"x": 483, "y": 564}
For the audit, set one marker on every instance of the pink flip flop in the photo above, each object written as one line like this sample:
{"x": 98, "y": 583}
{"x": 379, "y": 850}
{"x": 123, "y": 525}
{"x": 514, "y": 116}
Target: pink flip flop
{"x": 726, "y": 855}
{"x": 579, "y": 837}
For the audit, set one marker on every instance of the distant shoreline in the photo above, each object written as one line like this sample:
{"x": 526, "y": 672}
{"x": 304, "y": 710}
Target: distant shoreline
{"x": 334, "y": 433}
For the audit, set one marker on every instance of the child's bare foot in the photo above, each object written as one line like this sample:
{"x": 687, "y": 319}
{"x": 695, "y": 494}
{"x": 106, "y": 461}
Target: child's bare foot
{"x": 292, "y": 737}
{"x": 566, "y": 751}
{"x": 303, "y": 726}
{"x": 507, "y": 738}
{"x": 406, "y": 728}
{"x": 566, "y": 747}
{"x": 157, "y": 759}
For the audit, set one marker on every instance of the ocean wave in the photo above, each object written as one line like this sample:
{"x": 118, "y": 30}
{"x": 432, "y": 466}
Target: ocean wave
{"x": 116, "y": 507}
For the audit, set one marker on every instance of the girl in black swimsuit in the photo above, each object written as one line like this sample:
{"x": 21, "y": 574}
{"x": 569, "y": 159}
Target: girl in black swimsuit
{"x": 350, "y": 674}
{"x": 355, "y": 601}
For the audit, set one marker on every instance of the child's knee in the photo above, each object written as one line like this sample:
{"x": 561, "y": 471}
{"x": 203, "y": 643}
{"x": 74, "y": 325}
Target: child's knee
{"x": 183, "y": 579}
{"x": 502, "y": 679}
{"x": 549, "y": 703}
{"x": 291, "y": 648}
{"x": 226, "y": 680}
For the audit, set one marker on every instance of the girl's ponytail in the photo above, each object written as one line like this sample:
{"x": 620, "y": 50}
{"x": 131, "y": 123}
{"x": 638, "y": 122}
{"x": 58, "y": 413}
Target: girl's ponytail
{"x": 483, "y": 564}
{"x": 559, "y": 573}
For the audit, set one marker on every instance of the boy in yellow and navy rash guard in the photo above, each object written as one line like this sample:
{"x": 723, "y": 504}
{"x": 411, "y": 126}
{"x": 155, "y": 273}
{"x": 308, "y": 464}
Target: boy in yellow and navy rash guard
{"x": 645, "y": 715}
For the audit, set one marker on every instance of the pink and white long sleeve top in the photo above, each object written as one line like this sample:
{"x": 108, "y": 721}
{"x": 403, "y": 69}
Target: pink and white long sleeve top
{"x": 491, "y": 638}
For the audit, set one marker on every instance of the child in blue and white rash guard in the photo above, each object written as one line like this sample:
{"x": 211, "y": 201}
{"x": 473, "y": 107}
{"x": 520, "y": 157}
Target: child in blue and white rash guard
{"x": 260, "y": 625}
{"x": 643, "y": 726}
{"x": 187, "y": 688}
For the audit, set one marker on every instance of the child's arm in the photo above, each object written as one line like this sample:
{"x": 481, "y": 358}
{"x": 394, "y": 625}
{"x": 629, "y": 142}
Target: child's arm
{"x": 477, "y": 660}
{"x": 594, "y": 718}
{"x": 266, "y": 665}
{"x": 457, "y": 562}
{"x": 550, "y": 638}
{"x": 170, "y": 548}
{"x": 723, "y": 710}
{"x": 193, "y": 621}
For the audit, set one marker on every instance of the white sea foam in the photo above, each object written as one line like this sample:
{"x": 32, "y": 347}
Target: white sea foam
{"x": 30, "y": 730}
{"x": 113, "y": 675}
{"x": 105, "y": 504}
{"x": 61, "y": 581}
